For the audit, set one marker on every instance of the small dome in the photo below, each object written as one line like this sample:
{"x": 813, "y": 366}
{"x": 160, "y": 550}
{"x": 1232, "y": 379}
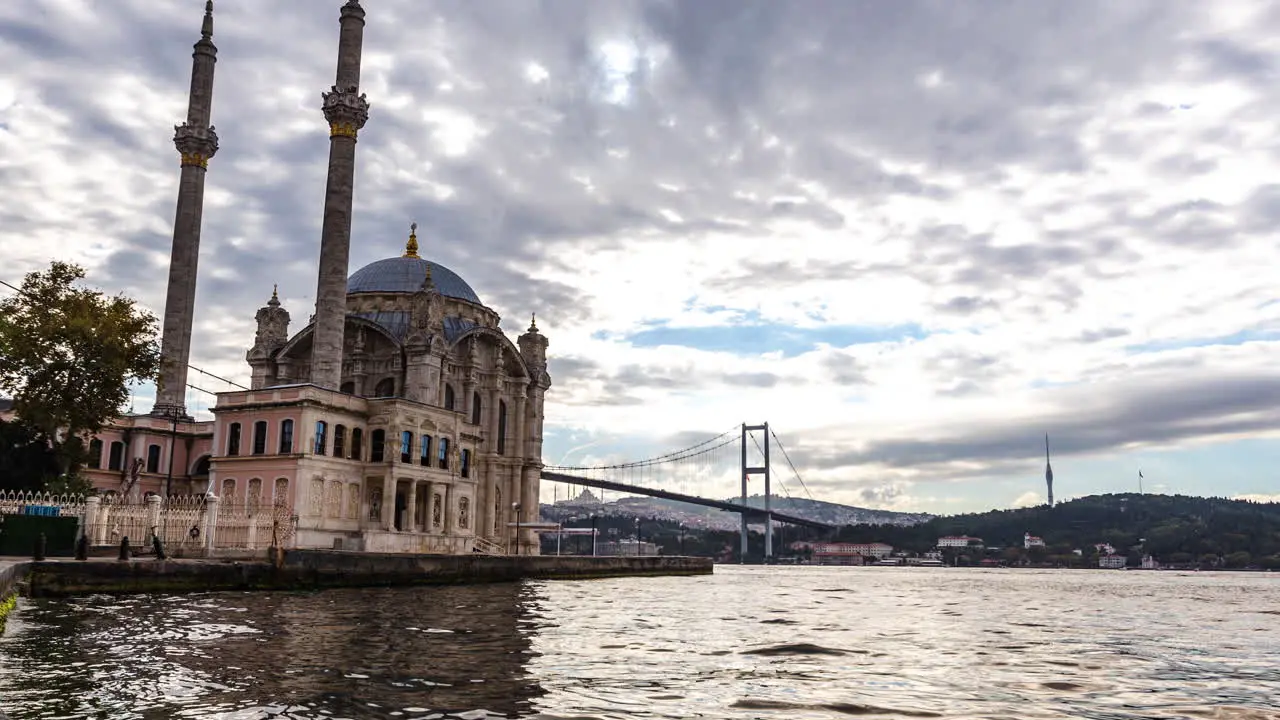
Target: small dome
{"x": 405, "y": 275}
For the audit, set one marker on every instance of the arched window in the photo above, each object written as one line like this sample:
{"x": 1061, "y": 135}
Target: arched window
{"x": 202, "y": 467}
{"x": 281, "y": 496}
{"x": 255, "y": 493}
{"x": 385, "y": 388}
{"x": 233, "y": 439}
{"x": 339, "y": 441}
{"x": 322, "y": 437}
{"x": 153, "y": 458}
{"x": 475, "y": 408}
{"x": 406, "y": 447}
{"x": 348, "y": 388}
{"x": 448, "y": 397}
{"x": 424, "y": 454}
{"x": 465, "y": 470}
{"x": 357, "y": 440}
{"x": 260, "y": 437}
{"x": 377, "y": 445}
{"x": 286, "y": 437}
{"x": 502, "y": 427}
{"x": 443, "y": 454}
{"x": 115, "y": 461}
{"x": 95, "y": 454}
{"x": 228, "y": 488}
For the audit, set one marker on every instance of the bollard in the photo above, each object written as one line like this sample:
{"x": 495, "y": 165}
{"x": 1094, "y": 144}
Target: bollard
{"x": 82, "y": 548}
{"x": 158, "y": 547}
{"x": 40, "y": 548}
{"x": 124, "y": 549}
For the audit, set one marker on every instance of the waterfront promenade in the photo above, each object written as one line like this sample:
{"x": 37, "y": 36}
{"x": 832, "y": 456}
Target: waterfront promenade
{"x": 315, "y": 569}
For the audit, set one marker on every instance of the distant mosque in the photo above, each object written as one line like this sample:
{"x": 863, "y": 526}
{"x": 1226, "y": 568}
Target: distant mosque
{"x": 400, "y": 419}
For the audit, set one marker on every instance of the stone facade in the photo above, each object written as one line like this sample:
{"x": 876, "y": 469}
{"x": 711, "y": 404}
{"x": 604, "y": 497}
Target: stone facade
{"x": 433, "y": 438}
{"x": 400, "y": 419}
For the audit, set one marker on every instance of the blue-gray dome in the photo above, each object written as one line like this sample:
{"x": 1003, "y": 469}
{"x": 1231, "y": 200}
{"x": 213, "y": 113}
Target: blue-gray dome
{"x": 405, "y": 275}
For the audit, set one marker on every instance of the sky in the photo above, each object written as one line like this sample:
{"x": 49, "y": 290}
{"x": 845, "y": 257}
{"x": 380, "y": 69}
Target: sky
{"x": 914, "y": 237}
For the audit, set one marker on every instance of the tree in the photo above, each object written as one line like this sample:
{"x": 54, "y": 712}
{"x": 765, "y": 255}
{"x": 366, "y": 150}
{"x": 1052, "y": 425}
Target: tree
{"x": 67, "y": 354}
{"x": 27, "y": 461}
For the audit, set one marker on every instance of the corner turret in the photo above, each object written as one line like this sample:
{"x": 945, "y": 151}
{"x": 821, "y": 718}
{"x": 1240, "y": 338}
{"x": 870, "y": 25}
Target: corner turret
{"x": 533, "y": 348}
{"x": 273, "y": 333}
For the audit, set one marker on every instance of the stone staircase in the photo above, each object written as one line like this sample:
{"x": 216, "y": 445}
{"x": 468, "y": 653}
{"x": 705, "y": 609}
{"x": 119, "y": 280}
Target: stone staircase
{"x": 487, "y": 547}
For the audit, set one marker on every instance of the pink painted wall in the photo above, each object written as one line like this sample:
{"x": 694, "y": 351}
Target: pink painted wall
{"x": 137, "y": 434}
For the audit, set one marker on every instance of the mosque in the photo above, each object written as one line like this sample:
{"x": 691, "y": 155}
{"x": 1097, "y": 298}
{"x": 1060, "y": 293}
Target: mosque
{"x": 400, "y": 419}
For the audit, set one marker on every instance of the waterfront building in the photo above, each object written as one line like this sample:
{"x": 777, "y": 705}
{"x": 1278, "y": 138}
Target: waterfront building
{"x": 959, "y": 541}
{"x": 401, "y": 418}
{"x": 1113, "y": 562}
{"x": 835, "y": 553}
{"x": 1029, "y": 541}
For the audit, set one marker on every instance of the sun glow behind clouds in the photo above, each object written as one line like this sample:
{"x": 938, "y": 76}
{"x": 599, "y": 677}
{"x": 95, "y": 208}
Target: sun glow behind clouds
{"x": 623, "y": 64}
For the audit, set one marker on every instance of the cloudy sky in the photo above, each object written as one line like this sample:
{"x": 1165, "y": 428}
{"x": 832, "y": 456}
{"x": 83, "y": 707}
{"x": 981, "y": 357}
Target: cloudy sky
{"x": 913, "y": 236}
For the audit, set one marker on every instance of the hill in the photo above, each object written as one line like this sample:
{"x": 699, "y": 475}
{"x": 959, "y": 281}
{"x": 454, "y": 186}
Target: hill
{"x": 835, "y": 513}
{"x": 1174, "y": 528}
{"x": 711, "y": 518}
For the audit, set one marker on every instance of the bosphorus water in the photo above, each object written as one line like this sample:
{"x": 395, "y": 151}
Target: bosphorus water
{"x": 746, "y": 642}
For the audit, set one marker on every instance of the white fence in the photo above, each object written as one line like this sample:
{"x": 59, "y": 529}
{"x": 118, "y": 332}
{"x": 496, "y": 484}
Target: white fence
{"x": 191, "y": 524}
{"x": 34, "y": 503}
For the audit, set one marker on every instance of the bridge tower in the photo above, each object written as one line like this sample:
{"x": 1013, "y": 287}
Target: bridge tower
{"x": 747, "y": 472}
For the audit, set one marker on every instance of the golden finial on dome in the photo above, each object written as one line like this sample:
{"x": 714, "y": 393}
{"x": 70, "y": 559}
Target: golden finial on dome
{"x": 411, "y": 247}
{"x": 533, "y": 323}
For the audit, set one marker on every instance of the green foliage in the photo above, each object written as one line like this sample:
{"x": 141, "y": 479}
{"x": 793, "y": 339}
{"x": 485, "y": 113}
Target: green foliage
{"x": 67, "y": 354}
{"x": 27, "y": 460}
{"x": 1164, "y": 526}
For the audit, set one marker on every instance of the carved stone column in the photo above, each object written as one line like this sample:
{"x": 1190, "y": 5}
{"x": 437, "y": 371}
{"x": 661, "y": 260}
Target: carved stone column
{"x": 448, "y": 515}
{"x": 389, "y": 502}
{"x": 411, "y": 505}
{"x": 491, "y": 441}
{"x": 519, "y": 444}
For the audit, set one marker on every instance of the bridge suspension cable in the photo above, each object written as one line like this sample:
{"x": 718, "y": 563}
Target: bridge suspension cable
{"x": 790, "y": 464}
{"x": 693, "y": 451}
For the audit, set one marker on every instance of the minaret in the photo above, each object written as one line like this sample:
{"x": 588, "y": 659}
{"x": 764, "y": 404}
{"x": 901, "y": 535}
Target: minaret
{"x": 1048, "y": 470}
{"x": 346, "y": 110}
{"x": 196, "y": 142}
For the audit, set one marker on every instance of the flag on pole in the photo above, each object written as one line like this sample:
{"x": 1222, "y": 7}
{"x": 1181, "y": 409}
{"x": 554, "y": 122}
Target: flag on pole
{"x": 1139, "y": 473}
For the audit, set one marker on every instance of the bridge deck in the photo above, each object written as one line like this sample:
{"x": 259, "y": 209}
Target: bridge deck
{"x": 751, "y": 513}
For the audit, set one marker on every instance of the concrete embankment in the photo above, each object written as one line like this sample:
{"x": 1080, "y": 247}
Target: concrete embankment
{"x": 315, "y": 569}
{"x": 11, "y": 573}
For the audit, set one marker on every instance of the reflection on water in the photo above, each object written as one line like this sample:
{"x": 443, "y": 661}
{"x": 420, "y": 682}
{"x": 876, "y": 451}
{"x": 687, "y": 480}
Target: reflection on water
{"x": 744, "y": 643}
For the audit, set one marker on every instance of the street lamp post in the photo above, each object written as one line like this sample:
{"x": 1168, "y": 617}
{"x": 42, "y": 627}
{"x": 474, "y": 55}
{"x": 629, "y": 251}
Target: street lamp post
{"x": 516, "y": 508}
{"x": 168, "y": 481}
{"x": 637, "y": 537}
{"x": 593, "y": 534}
{"x": 681, "y": 539}
{"x": 173, "y": 445}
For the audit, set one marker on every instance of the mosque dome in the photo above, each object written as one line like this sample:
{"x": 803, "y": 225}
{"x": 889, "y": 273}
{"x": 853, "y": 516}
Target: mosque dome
{"x": 405, "y": 275}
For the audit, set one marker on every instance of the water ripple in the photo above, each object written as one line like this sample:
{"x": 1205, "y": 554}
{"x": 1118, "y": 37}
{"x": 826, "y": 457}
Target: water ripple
{"x": 744, "y": 643}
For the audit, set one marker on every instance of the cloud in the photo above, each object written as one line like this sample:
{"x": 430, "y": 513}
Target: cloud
{"x": 1258, "y": 497}
{"x": 1028, "y": 499}
{"x": 914, "y": 237}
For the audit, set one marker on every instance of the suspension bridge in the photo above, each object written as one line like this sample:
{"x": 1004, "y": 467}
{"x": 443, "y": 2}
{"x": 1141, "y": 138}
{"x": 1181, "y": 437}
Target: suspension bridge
{"x": 734, "y": 453}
